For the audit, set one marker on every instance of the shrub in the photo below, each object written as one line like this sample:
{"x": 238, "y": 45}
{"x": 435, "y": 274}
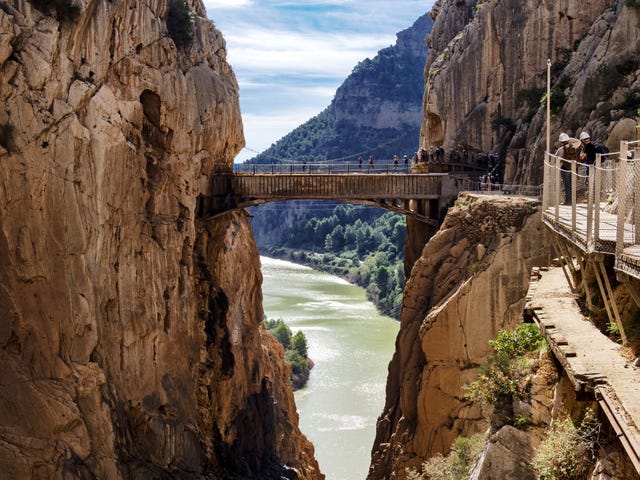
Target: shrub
{"x": 455, "y": 466}
{"x": 297, "y": 362}
{"x": 180, "y": 23}
{"x": 299, "y": 344}
{"x": 498, "y": 120}
{"x": 568, "y": 453}
{"x": 295, "y": 350}
{"x": 504, "y": 371}
{"x": 283, "y": 333}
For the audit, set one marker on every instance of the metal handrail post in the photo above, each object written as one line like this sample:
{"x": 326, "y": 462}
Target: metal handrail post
{"x": 545, "y": 182}
{"x": 574, "y": 181}
{"x": 590, "y": 204}
{"x": 557, "y": 189}
{"x": 597, "y": 196}
{"x": 622, "y": 199}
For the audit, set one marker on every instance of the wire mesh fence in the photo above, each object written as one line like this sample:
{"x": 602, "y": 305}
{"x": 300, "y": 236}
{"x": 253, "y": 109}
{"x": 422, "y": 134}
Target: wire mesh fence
{"x": 594, "y": 206}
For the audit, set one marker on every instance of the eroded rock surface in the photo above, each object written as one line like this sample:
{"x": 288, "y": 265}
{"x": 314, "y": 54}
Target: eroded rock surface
{"x": 470, "y": 282}
{"x": 486, "y": 76}
{"x": 130, "y": 339}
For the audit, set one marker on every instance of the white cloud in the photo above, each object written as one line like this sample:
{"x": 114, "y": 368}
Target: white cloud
{"x": 300, "y": 53}
{"x": 214, "y": 4}
{"x": 290, "y": 56}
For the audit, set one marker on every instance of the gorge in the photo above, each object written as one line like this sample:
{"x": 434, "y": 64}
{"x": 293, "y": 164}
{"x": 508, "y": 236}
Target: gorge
{"x": 130, "y": 337}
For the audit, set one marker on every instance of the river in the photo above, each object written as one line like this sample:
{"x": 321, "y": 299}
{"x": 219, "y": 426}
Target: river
{"x": 351, "y": 345}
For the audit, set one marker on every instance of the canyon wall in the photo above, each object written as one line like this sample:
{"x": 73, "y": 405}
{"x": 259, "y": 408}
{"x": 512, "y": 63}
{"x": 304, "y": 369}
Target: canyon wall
{"x": 470, "y": 281}
{"x": 130, "y": 338}
{"x": 486, "y": 76}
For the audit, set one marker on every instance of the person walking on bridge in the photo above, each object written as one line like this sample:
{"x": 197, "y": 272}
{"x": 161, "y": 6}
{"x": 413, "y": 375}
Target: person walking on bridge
{"x": 589, "y": 150}
{"x": 370, "y": 162}
{"x": 569, "y": 152}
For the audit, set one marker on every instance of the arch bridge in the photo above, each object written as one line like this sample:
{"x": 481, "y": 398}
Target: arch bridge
{"x": 419, "y": 195}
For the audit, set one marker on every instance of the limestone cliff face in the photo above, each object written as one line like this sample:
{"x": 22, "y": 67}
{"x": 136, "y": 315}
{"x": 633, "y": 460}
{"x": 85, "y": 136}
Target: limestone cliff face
{"x": 486, "y": 73}
{"x": 130, "y": 339}
{"x": 470, "y": 281}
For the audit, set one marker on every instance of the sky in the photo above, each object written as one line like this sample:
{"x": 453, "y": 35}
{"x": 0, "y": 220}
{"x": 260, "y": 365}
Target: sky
{"x": 290, "y": 56}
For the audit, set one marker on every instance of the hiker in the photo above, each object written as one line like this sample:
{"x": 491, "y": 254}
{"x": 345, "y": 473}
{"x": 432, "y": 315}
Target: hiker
{"x": 568, "y": 152}
{"x": 370, "y": 162}
{"x": 589, "y": 150}
{"x": 360, "y": 161}
{"x": 395, "y": 162}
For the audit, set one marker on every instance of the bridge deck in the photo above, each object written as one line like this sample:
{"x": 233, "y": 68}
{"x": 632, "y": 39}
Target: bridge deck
{"x": 416, "y": 194}
{"x": 330, "y": 186}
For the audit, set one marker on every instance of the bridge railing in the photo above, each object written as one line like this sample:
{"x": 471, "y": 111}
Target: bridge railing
{"x": 576, "y": 199}
{"x": 628, "y": 209}
{"x": 595, "y": 211}
{"x": 387, "y": 167}
{"x": 322, "y": 168}
{"x": 494, "y": 188}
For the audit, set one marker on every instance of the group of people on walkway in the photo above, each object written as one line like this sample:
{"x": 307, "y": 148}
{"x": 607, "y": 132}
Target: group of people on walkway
{"x": 482, "y": 160}
{"x": 581, "y": 149}
{"x": 370, "y": 162}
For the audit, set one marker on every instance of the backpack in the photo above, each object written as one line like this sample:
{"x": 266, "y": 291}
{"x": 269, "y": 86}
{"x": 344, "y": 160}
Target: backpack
{"x": 600, "y": 148}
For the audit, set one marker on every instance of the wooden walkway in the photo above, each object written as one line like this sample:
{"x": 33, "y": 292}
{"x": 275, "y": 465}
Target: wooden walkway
{"x": 578, "y": 231}
{"x": 593, "y": 363}
{"x": 413, "y": 194}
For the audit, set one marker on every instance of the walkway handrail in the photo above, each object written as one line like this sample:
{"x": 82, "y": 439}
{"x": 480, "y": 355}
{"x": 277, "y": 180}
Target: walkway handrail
{"x": 387, "y": 167}
{"x": 597, "y": 209}
{"x": 628, "y": 224}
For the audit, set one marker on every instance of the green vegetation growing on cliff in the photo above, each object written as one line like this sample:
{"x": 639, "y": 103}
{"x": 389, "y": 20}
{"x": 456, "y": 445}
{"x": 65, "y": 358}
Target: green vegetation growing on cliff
{"x": 505, "y": 375}
{"x": 568, "y": 451}
{"x": 455, "y": 466}
{"x": 180, "y": 23}
{"x": 362, "y": 244}
{"x": 295, "y": 347}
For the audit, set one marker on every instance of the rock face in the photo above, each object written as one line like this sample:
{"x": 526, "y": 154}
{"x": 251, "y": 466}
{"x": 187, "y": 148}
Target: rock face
{"x": 507, "y": 455}
{"x": 130, "y": 339}
{"x": 486, "y": 74}
{"x": 470, "y": 281}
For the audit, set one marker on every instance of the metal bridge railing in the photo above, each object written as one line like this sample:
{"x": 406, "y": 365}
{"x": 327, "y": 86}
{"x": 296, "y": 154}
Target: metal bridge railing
{"x": 628, "y": 210}
{"x": 491, "y": 188}
{"x": 382, "y": 166}
{"x": 322, "y": 168}
{"x": 599, "y": 214}
{"x": 575, "y": 200}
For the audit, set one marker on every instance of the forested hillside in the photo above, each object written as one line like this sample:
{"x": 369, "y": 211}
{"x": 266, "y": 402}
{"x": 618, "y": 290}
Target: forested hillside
{"x": 376, "y": 111}
{"x": 362, "y": 244}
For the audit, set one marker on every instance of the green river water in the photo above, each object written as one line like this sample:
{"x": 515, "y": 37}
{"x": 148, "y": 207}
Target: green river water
{"x": 351, "y": 345}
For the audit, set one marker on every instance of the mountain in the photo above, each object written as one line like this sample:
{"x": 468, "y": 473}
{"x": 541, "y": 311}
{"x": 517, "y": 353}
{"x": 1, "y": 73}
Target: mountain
{"x": 377, "y": 110}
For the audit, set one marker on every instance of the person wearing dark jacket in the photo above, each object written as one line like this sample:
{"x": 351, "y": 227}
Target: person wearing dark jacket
{"x": 568, "y": 154}
{"x": 589, "y": 150}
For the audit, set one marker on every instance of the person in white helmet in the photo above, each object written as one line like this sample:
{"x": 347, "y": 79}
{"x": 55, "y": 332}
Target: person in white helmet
{"x": 569, "y": 153}
{"x": 589, "y": 150}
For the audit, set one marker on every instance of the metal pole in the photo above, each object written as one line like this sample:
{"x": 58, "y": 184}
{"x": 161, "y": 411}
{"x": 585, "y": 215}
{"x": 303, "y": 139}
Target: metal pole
{"x": 548, "y": 105}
